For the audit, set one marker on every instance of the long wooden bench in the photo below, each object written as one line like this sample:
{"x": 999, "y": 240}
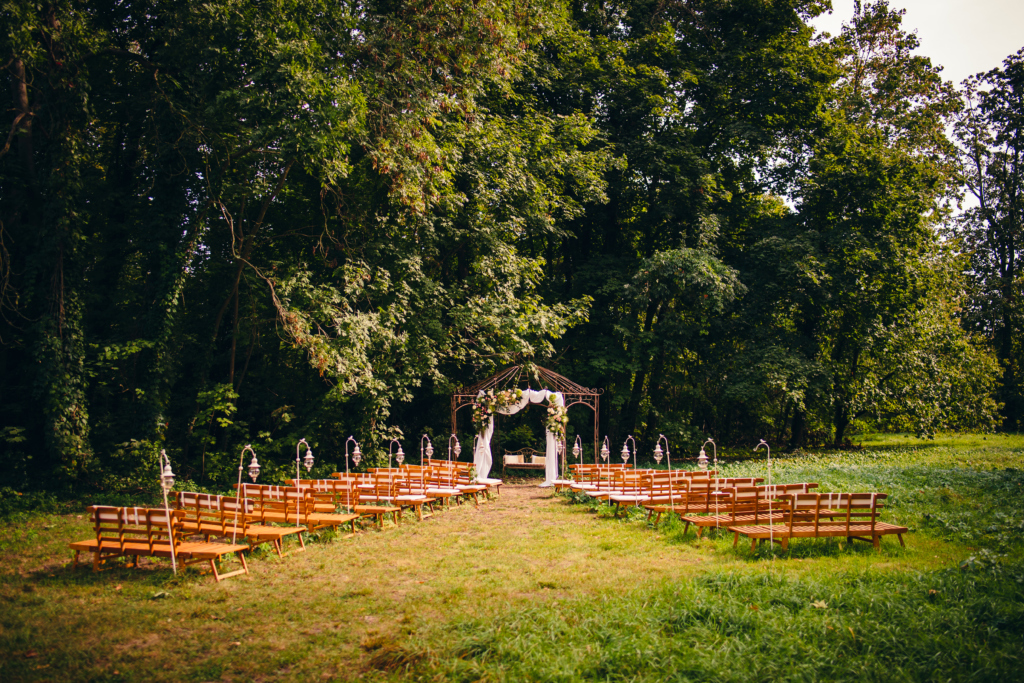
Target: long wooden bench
{"x": 447, "y": 479}
{"x": 151, "y": 532}
{"x": 746, "y": 505}
{"x": 853, "y": 516}
{"x": 695, "y": 496}
{"x": 350, "y": 491}
{"x": 433, "y": 486}
{"x": 386, "y": 485}
{"x": 211, "y": 515}
{"x": 289, "y": 505}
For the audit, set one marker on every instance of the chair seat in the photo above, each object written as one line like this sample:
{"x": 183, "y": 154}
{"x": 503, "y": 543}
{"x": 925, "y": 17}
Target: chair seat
{"x": 628, "y": 498}
{"x": 443, "y": 492}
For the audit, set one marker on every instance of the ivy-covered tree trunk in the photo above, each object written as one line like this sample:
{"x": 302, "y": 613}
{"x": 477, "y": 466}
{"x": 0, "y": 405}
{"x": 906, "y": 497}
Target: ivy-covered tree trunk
{"x": 49, "y": 218}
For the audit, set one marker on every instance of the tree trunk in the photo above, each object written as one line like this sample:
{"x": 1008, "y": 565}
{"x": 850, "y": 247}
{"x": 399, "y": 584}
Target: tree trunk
{"x": 798, "y": 435}
{"x": 842, "y": 421}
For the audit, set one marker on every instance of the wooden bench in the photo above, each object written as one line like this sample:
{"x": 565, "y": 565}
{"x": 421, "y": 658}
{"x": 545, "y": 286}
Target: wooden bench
{"x": 693, "y": 496}
{"x": 523, "y": 459}
{"x": 211, "y": 515}
{"x": 853, "y": 516}
{"x": 385, "y": 490}
{"x": 745, "y": 505}
{"x": 151, "y": 532}
{"x": 289, "y": 505}
{"x": 353, "y": 488}
{"x": 434, "y": 486}
{"x": 449, "y": 479}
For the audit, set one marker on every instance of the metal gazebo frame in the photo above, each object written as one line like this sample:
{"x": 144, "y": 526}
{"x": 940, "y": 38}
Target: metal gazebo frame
{"x": 517, "y": 375}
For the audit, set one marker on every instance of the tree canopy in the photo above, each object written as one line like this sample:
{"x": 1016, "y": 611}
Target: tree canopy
{"x": 237, "y": 222}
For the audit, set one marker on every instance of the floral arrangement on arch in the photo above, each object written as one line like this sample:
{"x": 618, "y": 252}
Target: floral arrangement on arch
{"x": 490, "y": 403}
{"x": 558, "y": 418}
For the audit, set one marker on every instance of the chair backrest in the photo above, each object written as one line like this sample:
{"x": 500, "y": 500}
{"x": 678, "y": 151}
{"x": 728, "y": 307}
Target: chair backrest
{"x": 214, "y": 514}
{"x": 523, "y": 454}
{"x": 843, "y": 508}
{"x": 779, "y": 489}
{"x": 153, "y": 528}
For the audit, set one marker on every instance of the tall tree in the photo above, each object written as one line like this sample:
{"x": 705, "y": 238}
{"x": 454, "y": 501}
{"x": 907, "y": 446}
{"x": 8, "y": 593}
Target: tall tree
{"x": 991, "y": 136}
{"x": 860, "y": 254}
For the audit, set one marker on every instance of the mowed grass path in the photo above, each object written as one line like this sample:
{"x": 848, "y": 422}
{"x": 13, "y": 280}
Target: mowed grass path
{"x": 531, "y": 586}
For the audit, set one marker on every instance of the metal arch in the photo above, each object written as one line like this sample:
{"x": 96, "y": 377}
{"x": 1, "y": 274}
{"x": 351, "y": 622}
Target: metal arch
{"x": 511, "y": 377}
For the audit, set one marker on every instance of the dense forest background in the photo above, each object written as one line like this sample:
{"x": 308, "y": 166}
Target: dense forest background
{"x": 241, "y": 221}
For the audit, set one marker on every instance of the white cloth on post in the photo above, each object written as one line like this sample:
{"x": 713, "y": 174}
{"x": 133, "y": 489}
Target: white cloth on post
{"x": 482, "y": 456}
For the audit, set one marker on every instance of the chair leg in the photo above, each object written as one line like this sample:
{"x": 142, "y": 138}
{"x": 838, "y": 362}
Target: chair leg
{"x": 900, "y": 537}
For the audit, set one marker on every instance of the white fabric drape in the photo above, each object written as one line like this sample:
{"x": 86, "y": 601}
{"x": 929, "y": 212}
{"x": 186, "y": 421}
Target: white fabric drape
{"x": 482, "y": 456}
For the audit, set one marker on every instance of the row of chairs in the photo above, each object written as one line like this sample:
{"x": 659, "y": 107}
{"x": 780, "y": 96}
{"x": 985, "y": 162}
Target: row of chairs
{"x": 209, "y": 528}
{"x": 741, "y": 505}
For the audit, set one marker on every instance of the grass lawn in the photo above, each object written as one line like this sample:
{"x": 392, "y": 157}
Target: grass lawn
{"x": 533, "y": 586}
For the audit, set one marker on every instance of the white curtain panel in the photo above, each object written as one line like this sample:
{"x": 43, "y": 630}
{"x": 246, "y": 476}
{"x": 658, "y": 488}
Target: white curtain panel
{"x": 482, "y": 457}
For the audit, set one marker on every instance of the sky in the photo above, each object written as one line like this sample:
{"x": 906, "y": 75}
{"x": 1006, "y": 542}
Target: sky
{"x": 964, "y": 37}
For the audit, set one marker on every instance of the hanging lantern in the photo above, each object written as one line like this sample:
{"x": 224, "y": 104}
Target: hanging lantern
{"x": 605, "y": 452}
{"x": 658, "y": 453}
{"x": 167, "y": 478}
{"x": 625, "y": 453}
{"x": 400, "y": 456}
{"x": 702, "y": 460}
{"x": 254, "y": 468}
{"x": 356, "y": 456}
{"x": 308, "y": 460}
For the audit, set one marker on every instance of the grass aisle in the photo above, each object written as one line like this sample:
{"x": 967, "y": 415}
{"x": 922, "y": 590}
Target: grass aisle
{"x": 537, "y": 587}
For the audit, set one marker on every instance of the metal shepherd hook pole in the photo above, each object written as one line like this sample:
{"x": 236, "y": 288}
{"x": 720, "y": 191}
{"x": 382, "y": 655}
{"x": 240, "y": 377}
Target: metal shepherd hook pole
{"x": 657, "y": 459}
{"x": 254, "y": 471}
{"x": 714, "y": 468}
{"x": 771, "y": 525}
{"x": 625, "y": 450}
{"x": 308, "y": 461}
{"x": 166, "y": 483}
{"x": 356, "y": 457}
{"x": 429, "y": 451}
{"x": 457, "y": 448}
